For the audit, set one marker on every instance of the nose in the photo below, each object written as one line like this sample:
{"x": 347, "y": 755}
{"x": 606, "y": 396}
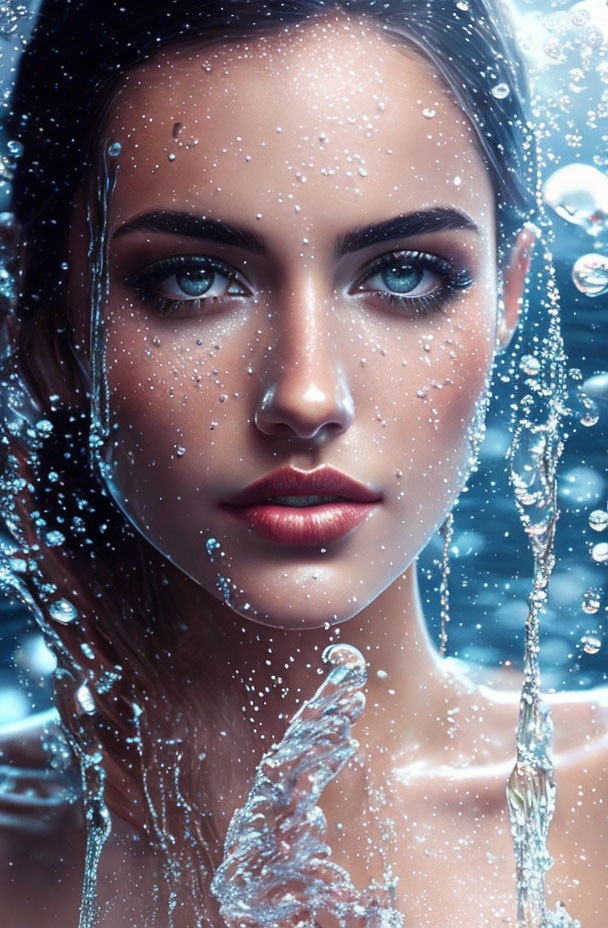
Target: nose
{"x": 305, "y": 392}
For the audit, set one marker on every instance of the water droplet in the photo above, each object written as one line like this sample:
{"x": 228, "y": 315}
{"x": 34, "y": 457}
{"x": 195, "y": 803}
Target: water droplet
{"x": 63, "y": 611}
{"x": 591, "y": 601}
{"x": 180, "y": 451}
{"x": 44, "y": 427}
{"x": 429, "y": 113}
{"x": 211, "y": 546}
{"x": 501, "y": 91}
{"x": 114, "y": 149}
{"x": 590, "y": 414}
{"x": 530, "y": 365}
{"x": 171, "y": 156}
{"x": 54, "y": 539}
{"x": 591, "y": 644}
{"x": 579, "y": 193}
{"x": 85, "y": 698}
{"x": 599, "y": 552}
{"x": 15, "y": 148}
{"x": 348, "y": 658}
{"x": 590, "y": 274}
{"x": 458, "y": 181}
{"x": 598, "y": 520}
{"x": 463, "y": 5}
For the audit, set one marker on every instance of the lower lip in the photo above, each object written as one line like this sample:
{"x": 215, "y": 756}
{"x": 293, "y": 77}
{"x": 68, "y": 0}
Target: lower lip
{"x": 310, "y": 525}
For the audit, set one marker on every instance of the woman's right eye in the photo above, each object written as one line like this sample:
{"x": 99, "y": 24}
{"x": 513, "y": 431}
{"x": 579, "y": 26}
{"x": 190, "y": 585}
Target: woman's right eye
{"x": 186, "y": 282}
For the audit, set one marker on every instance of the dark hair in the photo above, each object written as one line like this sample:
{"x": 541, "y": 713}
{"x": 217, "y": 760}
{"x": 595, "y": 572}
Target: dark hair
{"x": 81, "y": 47}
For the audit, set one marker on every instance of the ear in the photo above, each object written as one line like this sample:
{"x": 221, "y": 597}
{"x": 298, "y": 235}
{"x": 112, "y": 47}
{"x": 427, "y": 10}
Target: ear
{"x": 514, "y": 275}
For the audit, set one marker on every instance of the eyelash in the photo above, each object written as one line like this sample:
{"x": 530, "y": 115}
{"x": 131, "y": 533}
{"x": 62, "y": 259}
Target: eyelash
{"x": 454, "y": 280}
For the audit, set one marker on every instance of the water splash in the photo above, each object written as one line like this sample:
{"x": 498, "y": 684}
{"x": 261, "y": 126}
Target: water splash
{"x": 277, "y": 868}
{"x": 531, "y": 792}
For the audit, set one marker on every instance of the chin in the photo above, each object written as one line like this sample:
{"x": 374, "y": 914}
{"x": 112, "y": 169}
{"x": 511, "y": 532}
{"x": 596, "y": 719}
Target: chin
{"x": 294, "y": 611}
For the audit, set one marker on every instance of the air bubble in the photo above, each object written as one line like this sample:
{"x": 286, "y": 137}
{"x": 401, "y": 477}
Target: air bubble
{"x": 598, "y": 520}
{"x": 501, "y": 91}
{"x": 591, "y": 602}
{"x": 590, "y": 274}
{"x": 591, "y": 644}
{"x": 579, "y": 193}
{"x": 599, "y": 552}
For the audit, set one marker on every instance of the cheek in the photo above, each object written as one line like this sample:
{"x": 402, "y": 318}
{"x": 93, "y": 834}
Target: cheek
{"x": 174, "y": 404}
{"x": 430, "y": 415}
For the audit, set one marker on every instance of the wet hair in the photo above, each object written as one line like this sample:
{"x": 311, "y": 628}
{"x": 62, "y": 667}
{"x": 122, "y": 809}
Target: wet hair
{"x": 81, "y": 48}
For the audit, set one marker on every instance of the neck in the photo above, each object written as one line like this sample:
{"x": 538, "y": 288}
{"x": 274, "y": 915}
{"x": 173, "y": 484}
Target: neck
{"x": 274, "y": 671}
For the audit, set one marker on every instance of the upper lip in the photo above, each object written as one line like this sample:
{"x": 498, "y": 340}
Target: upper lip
{"x": 287, "y": 481}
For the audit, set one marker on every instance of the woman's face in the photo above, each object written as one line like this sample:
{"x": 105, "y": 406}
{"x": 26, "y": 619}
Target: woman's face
{"x": 302, "y": 278}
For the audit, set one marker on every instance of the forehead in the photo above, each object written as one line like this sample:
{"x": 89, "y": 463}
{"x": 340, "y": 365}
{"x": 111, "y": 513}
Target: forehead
{"x": 331, "y": 118}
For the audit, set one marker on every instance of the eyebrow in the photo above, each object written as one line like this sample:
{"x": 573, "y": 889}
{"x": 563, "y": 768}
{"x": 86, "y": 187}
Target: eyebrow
{"x": 192, "y": 226}
{"x": 436, "y": 219}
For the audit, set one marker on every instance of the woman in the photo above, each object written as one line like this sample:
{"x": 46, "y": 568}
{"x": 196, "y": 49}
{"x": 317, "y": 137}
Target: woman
{"x": 267, "y": 254}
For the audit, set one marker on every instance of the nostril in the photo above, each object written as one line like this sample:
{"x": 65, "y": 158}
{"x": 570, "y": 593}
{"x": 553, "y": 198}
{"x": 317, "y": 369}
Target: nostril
{"x": 305, "y": 410}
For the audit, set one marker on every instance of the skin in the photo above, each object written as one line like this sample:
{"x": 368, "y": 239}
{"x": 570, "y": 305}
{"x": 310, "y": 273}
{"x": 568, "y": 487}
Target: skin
{"x": 309, "y": 367}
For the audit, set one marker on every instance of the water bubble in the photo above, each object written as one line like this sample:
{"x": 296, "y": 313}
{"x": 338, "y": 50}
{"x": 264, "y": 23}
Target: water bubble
{"x": 598, "y": 520}
{"x": 591, "y": 601}
{"x": 590, "y": 274}
{"x": 599, "y": 552}
{"x": 211, "y": 546}
{"x": 54, "y": 539}
{"x": 44, "y": 427}
{"x": 114, "y": 149}
{"x": 597, "y": 386}
{"x": 530, "y": 365}
{"x": 85, "y": 698}
{"x": 501, "y": 91}
{"x": 63, "y": 611}
{"x": 347, "y": 657}
{"x": 590, "y": 414}
{"x": 15, "y": 148}
{"x": 579, "y": 193}
{"x": 591, "y": 644}
{"x": 579, "y": 16}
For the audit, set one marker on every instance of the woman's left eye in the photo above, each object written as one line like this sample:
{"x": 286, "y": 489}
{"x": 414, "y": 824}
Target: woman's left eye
{"x": 173, "y": 283}
{"x": 413, "y": 281}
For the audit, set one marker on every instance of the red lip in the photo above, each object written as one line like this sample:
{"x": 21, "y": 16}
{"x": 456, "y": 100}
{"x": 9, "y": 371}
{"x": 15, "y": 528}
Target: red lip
{"x": 315, "y": 524}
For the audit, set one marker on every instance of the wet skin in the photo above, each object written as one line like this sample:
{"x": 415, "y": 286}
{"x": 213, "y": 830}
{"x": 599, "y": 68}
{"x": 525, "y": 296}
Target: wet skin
{"x": 300, "y": 358}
